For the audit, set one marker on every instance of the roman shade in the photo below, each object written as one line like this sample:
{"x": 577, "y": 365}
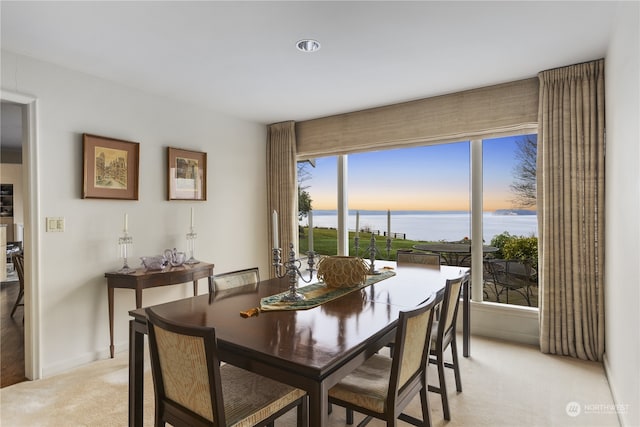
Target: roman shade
{"x": 484, "y": 112}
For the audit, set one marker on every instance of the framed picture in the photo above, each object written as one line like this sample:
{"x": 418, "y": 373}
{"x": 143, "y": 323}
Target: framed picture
{"x": 187, "y": 175}
{"x": 110, "y": 168}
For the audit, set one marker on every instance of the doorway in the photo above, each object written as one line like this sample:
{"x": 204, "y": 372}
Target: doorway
{"x": 12, "y": 222}
{"x": 25, "y": 320}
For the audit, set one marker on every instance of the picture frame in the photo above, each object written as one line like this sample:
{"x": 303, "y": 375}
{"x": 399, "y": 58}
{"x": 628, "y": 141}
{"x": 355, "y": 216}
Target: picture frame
{"x": 110, "y": 168}
{"x": 187, "y": 174}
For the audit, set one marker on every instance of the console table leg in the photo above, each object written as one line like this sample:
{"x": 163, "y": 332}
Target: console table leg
{"x": 138, "y": 298}
{"x": 110, "y": 298}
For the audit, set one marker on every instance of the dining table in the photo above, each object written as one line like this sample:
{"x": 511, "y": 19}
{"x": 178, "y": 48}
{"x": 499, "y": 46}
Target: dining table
{"x": 453, "y": 253}
{"x": 313, "y": 348}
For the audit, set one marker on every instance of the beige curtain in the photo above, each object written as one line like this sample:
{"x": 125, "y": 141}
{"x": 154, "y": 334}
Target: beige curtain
{"x": 282, "y": 195}
{"x": 571, "y": 174}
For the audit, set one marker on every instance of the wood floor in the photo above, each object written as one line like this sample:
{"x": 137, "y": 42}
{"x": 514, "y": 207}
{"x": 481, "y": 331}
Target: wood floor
{"x": 12, "y": 336}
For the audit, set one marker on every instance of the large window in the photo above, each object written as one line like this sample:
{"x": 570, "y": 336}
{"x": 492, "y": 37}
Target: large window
{"x": 427, "y": 190}
{"x": 424, "y": 189}
{"x": 510, "y": 219}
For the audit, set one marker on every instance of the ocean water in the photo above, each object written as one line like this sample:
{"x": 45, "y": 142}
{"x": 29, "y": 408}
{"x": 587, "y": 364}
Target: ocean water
{"x": 431, "y": 225}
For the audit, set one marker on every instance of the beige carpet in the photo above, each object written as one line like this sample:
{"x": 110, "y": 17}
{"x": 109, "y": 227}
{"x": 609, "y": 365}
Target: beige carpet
{"x": 504, "y": 384}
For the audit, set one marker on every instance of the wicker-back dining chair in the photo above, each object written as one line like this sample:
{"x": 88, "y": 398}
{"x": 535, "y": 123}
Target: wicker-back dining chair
{"x": 383, "y": 386}
{"x": 192, "y": 388}
{"x": 444, "y": 331}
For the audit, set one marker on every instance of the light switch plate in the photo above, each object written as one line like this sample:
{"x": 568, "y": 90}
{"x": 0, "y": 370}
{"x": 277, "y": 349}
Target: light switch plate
{"x": 55, "y": 224}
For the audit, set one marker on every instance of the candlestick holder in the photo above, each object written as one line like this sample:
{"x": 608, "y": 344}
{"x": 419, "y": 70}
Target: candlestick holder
{"x": 125, "y": 243}
{"x": 191, "y": 246}
{"x": 291, "y": 268}
{"x": 389, "y": 247}
{"x": 372, "y": 255}
{"x": 356, "y": 242}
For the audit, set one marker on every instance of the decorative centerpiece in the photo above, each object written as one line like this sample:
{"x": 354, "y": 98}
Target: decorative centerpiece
{"x": 125, "y": 243}
{"x": 291, "y": 267}
{"x": 158, "y": 262}
{"x": 342, "y": 271}
{"x": 191, "y": 241}
{"x": 175, "y": 258}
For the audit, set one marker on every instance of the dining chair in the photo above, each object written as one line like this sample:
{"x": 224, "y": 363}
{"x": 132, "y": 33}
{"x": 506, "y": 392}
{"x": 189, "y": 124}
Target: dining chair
{"x": 191, "y": 388}
{"x": 444, "y": 331}
{"x": 383, "y": 386}
{"x": 418, "y": 258}
{"x": 511, "y": 275}
{"x": 233, "y": 279}
{"x": 18, "y": 264}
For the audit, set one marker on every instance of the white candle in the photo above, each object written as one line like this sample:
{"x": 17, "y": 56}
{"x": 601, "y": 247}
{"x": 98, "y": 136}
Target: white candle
{"x": 388, "y": 224}
{"x": 126, "y": 222}
{"x": 192, "y": 222}
{"x": 274, "y": 218}
{"x": 310, "y": 230}
{"x": 357, "y": 223}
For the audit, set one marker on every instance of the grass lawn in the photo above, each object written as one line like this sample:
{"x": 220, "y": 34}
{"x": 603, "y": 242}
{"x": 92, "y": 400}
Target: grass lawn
{"x": 325, "y": 242}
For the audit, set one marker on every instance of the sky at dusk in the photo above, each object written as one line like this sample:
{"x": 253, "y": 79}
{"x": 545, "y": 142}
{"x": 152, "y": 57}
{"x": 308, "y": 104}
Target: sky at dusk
{"x": 420, "y": 178}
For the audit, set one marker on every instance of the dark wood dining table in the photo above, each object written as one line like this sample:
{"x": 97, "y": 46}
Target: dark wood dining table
{"x": 311, "y": 349}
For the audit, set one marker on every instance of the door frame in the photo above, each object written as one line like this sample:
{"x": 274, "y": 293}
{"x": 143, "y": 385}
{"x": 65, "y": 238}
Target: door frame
{"x": 32, "y": 227}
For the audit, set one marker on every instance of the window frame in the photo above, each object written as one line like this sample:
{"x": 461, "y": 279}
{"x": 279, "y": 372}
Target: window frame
{"x": 476, "y": 177}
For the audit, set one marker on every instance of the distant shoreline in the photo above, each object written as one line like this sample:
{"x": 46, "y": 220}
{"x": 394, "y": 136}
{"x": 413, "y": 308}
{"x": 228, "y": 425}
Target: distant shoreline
{"x": 432, "y": 225}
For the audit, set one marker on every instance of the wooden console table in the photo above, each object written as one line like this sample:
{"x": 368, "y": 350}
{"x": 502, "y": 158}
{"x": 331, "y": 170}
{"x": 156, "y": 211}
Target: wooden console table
{"x": 143, "y": 279}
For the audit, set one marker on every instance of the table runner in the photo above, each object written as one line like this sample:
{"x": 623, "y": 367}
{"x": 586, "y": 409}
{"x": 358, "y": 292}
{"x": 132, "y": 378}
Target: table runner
{"x": 315, "y": 294}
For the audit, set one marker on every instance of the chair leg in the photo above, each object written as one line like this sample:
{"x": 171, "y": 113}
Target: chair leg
{"x": 443, "y": 387}
{"x": 303, "y": 411}
{"x": 349, "y": 416}
{"x": 456, "y": 365}
{"x": 17, "y": 303}
{"x": 495, "y": 288}
{"x": 426, "y": 410}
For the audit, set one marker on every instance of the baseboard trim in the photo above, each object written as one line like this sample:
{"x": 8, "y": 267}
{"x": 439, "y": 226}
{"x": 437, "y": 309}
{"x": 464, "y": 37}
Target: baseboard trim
{"x": 615, "y": 395}
{"x": 506, "y": 322}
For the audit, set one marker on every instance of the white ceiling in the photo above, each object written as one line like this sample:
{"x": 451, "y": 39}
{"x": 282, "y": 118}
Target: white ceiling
{"x": 240, "y": 57}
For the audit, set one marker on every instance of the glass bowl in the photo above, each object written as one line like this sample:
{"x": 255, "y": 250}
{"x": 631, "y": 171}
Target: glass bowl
{"x": 154, "y": 262}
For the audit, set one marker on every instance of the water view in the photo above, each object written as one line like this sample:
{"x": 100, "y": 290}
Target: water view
{"x": 433, "y": 225}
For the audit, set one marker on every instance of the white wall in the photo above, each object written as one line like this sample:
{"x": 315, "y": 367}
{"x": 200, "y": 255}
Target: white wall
{"x": 622, "y": 294}
{"x": 231, "y": 224}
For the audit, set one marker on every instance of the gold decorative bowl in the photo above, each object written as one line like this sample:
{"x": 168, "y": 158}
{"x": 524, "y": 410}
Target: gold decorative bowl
{"x": 342, "y": 271}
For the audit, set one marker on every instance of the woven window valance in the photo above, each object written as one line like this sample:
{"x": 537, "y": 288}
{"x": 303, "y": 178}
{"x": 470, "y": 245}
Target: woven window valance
{"x": 483, "y": 112}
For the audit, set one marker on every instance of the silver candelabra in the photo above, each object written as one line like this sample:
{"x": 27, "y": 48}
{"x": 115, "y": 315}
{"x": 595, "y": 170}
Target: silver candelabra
{"x": 125, "y": 243}
{"x": 191, "y": 242}
{"x": 373, "y": 251}
{"x": 372, "y": 255}
{"x": 291, "y": 268}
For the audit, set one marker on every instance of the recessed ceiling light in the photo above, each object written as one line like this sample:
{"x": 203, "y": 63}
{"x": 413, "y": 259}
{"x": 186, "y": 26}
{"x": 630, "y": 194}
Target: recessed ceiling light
{"x": 308, "y": 45}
